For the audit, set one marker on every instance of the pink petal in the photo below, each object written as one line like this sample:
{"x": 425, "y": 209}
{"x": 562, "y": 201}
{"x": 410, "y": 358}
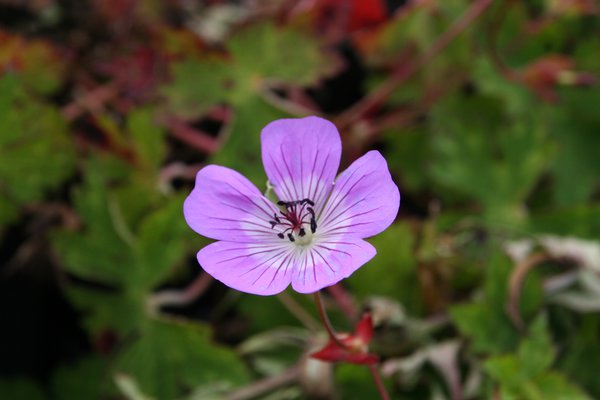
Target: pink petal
{"x": 325, "y": 263}
{"x": 256, "y": 268}
{"x": 301, "y": 158}
{"x": 364, "y": 200}
{"x": 224, "y": 205}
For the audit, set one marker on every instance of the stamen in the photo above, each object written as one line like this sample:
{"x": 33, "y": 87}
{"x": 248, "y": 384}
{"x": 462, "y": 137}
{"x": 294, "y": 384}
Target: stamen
{"x": 297, "y": 214}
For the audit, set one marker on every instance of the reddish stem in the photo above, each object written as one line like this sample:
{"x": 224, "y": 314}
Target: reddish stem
{"x": 326, "y": 322}
{"x": 379, "y": 95}
{"x": 378, "y": 382}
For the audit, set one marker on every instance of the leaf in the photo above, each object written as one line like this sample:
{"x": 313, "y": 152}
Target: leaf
{"x": 536, "y": 353}
{"x": 38, "y": 63}
{"x": 482, "y": 153}
{"x": 85, "y": 378}
{"x": 489, "y": 329}
{"x": 355, "y": 382}
{"x": 242, "y": 151}
{"x": 579, "y": 220}
{"x": 170, "y": 356}
{"x": 574, "y": 130}
{"x": 108, "y": 311}
{"x": 160, "y": 244}
{"x": 581, "y": 356}
{"x": 129, "y": 245}
{"x": 269, "y": 52}
{"x": 485, "y": 322}
{"x": 19, "y": 388}
{"x": 148, "y": 139}
{"x": 526, "y": 375}
{"x": 257, "y": 54}
{"x": 197, "y": 85}
{"x": 36, "y": 154}
{"x": 396, "y": 262}
{"x": 554, "y": 386}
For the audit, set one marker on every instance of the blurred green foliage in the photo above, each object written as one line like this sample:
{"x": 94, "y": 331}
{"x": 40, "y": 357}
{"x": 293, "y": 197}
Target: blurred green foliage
{"x": 492, "y": 141}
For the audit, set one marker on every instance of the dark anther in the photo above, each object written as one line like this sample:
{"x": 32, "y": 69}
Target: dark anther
{"x": 273, "y": 223}
{"x": 301, "y": 232}
{"x": 281, "y": 203}
{"x": 291, "y": 237}
{"x": 311, "y": 211}
{"x": 313, "y": 224}
{"x": 280, "y": 235}
{"x": 309, "y": 202}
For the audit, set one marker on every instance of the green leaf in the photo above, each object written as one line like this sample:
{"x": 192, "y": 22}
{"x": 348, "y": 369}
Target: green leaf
{"x": 148, "y": 139}
{"x": 20, "y": 389}
{"x": 197, "y": 85}
{"x": 581, "y": 356}
{"x": 484, "y": 154}
{"x": 257, "y": 54}
{"x": 575, "y": 132}
{"x": 85, "y": 379}
{"x": 108, "y": 310}
{"x": 160, "y": 244}
{"x": 264, "y": 51}
{"x": 396, "y": 262}
{"x": 485, "y": 322}
{"x": 129, "y": 245}
{"x": 554, "y": 386}
{"x": 36, "y": 153}
{"x": 581, "y": 221}
{"x": 488, "y": 328}
{"x": 170, "y": 356}
{"x": 242, "y": 150}
{"x": 536, "y": 353}
{"x": 355, "y": 382}
{"x": 526, "y": 375}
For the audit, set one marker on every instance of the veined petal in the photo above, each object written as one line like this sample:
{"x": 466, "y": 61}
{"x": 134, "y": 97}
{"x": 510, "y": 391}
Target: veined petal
{"x": 256, "y": 268}
{"x": 301, "y": 158}
{"x": 224, "y": 205}
{"x": 329, "y": 261}
{"x": 364, "y": 200}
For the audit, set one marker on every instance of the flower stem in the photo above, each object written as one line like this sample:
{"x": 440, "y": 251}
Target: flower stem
{"x": 325, "y": 320}
{"x": 331, "y": 332}
{"x": 378, "y": 382}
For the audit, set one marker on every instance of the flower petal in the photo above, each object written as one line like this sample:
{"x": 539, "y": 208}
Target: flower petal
{"x": 301, "y": 158}
{"x": 327, "y": 262}
{"x": 364, "y": 200}
{"x": 256, "y": 268}
{"x": 224, "y": 205}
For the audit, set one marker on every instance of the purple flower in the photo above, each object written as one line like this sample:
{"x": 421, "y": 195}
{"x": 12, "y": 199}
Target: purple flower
{"x": 313, "y": 236}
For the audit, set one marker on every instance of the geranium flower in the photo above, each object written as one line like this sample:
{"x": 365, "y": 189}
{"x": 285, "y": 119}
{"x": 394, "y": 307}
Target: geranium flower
{"x": 354, "y": 349}
{"x": 313, "y": 236}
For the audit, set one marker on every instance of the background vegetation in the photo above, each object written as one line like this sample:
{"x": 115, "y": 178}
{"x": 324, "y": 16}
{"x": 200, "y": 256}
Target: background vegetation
{"x": 486, "y": 287}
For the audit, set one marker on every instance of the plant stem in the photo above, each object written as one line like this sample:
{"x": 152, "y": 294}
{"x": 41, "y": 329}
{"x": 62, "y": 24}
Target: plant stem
{"x": 266, "y": 385}
{"x": 325, "y": 320}
{"x": 179, "y": 297}
{"x": 381, "y": 93}
{"x": 298, "y": 311}
{"x": 378, "y": 382}
{"x": 332, "y": 335}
